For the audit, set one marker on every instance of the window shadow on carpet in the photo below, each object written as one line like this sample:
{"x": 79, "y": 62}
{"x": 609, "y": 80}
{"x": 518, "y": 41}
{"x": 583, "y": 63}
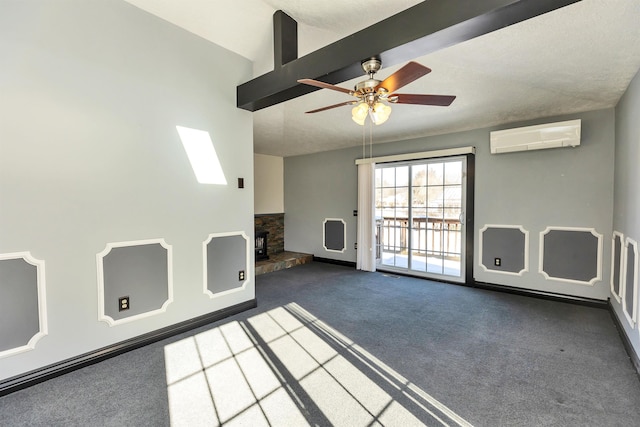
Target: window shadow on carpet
{"x": 286, "y": 367}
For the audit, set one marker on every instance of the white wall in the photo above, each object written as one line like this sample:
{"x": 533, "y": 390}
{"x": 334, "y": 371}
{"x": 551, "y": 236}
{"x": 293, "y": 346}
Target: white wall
{"x": 269, "y": 184}
{"x": 557, "y": 187}
{"x": 91, "y": 92}
{"x": 626, "y": 216}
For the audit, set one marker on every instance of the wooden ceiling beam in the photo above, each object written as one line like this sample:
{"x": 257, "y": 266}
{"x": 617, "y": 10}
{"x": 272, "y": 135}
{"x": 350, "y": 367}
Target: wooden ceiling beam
{"x": 422, "y": 29}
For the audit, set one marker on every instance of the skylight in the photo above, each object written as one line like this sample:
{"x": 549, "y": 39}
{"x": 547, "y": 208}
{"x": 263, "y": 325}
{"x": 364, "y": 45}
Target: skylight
{"x": 202, "y": 155}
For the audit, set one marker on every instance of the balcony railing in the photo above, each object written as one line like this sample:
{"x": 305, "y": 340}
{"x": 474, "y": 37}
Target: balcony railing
{"x": 429, "y": 236}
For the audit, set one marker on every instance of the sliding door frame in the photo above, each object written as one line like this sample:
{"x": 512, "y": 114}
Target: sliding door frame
{"x": 469, "y": 216}
{"x": 469, "y": 153}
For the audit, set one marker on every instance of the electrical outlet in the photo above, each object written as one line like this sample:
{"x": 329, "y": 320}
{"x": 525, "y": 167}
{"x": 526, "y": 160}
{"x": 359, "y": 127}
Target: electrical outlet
{"x": 497, "y": 262}
{"x": 241, "y": 275}
{"x": 355, "y": 246}
{"x": 123, "y": 303}
{"x": 355, "y": 212}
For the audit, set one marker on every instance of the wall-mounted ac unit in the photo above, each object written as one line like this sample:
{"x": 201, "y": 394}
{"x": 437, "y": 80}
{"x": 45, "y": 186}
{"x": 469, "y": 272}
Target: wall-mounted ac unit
{"x": 551, "y": 135}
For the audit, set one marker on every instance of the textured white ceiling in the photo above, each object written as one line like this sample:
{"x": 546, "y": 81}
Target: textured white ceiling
{"x": 578, "y": 58}
{"x": 246, "y": 26}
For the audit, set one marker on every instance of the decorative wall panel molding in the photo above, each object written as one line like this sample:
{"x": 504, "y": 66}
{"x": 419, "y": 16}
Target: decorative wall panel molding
{"x": 504, "y": 249}
{"x": 226, "y": 262}
{"x": 571, "y": 254}
{"x": 23, "y": 304}
{"x": 135, "y": 280}
{"x": 617, "y": 265}
{"x": 334, "y": 235}
{"x": 630, "y": 281}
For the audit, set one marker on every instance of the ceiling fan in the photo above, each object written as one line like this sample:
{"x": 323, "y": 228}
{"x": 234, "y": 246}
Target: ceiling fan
{"x": 374, "y": 95}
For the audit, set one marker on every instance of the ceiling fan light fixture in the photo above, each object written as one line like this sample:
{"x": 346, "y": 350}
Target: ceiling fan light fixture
{"x": 380, "y": 113}
{"x": 359, "y": 113}
{"x": 373, "y": 95}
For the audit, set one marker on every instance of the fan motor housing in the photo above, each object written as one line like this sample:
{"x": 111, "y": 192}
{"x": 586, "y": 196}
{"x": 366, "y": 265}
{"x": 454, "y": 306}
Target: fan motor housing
{"x": 366, "y": 86}
{"x": 371, "y": 66}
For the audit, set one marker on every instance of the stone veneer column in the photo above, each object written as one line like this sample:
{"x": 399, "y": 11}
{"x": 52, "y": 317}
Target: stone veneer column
{"x": 274, "y": 224}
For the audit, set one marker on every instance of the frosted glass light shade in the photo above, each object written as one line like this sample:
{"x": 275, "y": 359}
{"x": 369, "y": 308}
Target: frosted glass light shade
{"x": 380, "y": 113}
{"x": 359, "y": 113}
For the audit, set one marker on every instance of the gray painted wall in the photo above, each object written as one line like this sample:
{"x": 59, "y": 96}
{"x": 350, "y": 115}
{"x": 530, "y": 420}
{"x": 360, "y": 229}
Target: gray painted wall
{"x": 557, "y": 187}
{"x": 507, "y": 244}
{"x": 334, "y": 232}
{"x": 89, "y": 154}
{"x": 616, "y": 264}
{"x": 226, "y": 258}
{"x": 18, "y": 303}
{"x": 138, "y": 272}
{"x": 316, "y": 187}
{"x": 571, "y": 255}
{"x": 626, "y": 211}
{"x": 630, "y": 296}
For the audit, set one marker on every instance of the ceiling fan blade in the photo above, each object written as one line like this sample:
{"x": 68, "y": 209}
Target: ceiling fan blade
{"x": 324, "y": 85}
{"x": 440, "y": 100}
{"x": 333, "y": 106}
{"x": 405, "y": 75}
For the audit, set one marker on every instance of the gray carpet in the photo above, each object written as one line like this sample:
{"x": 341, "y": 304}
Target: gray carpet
{"x": 328, "y": 345}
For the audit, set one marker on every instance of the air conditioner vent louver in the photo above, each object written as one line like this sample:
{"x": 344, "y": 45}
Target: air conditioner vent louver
{"x": 539, "y": 137}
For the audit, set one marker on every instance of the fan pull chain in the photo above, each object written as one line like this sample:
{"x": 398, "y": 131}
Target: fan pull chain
{"x": 370, "y": 139}
{"x": 364, "y": 144}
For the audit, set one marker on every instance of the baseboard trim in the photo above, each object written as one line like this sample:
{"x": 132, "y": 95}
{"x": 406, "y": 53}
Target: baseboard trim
{"x": 335, "y": 261}
{"x": 36, "y": 376}
{"x": 572, "y": 299}
{"x": 635, "y": 360}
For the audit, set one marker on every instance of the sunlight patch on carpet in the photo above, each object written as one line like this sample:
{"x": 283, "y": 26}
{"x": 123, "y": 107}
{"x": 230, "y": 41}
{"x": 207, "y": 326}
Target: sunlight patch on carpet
{"x": 286, "y": 367}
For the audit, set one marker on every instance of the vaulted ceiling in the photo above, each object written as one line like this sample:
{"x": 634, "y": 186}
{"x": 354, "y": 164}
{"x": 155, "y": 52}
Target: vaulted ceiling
{"x": 578, "y": 58}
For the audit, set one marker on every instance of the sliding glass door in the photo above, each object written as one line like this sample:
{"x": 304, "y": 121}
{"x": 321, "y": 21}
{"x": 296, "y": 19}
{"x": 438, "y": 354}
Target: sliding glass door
{"x": 419, "y": 209}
